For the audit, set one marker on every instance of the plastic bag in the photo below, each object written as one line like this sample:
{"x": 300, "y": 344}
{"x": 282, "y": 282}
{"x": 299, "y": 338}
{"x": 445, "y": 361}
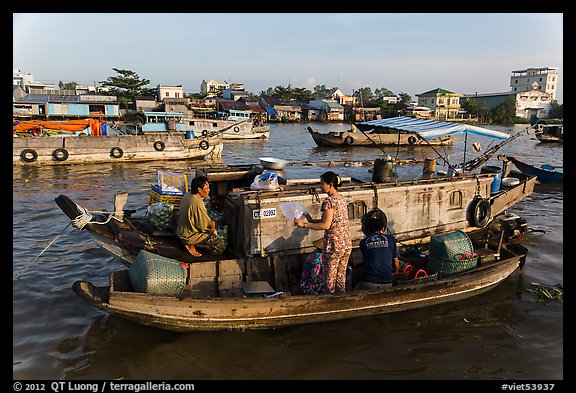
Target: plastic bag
{"x": 265, "y": 181}
{"x": 292, "y": 210}
{"x": 160, "y": 215}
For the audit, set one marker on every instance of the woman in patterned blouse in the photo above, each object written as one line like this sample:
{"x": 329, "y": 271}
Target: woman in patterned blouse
{"x": 337, "y": 241}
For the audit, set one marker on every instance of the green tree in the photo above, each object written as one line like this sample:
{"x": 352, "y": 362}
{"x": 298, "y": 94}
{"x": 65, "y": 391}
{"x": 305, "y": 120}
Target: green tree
{"x": 477, "y": 108}
{"x": 301, "y": 94}
{"x": 126, "y": 85}
{"x": 556, "y": 110}
{"x": 504, "y": 113}
{"x": 387, "y": 110}
{"x": 404, "y": 98}
{"x": 365, "y": 98}
{"x": 321, "y": 91}
{"x": 283, "y": 93}
{"x": 383, "y": 92}
{"x": 67, "y": 85}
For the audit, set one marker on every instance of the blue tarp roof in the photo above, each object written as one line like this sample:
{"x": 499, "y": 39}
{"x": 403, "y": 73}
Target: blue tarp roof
{"x": 271, "y": 111}
{"x": 432, "y": 129}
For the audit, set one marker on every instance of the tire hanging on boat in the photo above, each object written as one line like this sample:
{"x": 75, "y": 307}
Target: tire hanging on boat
{"x": 29, "y": 155}
{"x": 116, "y": 152}
{"x": 236, "y": 129}
{"x": 412, "y": 140}
{"x": 479, "y": 212}
{"x": 204, "y": 133}
{"x": 204, "y": 145}
{"x": 159, "y": 146}
{"x": 60, "y": 154}
{"x": 349, "y": 140}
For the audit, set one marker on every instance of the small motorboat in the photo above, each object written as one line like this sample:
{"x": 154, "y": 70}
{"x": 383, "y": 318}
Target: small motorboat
{"x": 549, "y": 133}
{"x": 544, "y": 173}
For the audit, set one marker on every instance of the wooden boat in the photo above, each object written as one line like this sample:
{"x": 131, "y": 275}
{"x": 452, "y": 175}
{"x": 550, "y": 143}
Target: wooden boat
{"x": 371, "y": 138}
{"x": 400, "y": 131}
{"x": 265, "y": 248}
{"x": 217, "y": 295}
{"x": 549, "y": 133}
{"x": 544, "y": 173}
{"x": 415, "y": 209}
{"x": 39, "y": 142}
{"x": 237, "y": 127}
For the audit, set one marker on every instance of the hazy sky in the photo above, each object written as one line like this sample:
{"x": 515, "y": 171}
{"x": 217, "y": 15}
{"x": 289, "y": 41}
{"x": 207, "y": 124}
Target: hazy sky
{"x": 403, "y": 52}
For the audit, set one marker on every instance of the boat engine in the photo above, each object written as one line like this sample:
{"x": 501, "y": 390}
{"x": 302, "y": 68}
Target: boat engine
{"x": 513, "y": 226}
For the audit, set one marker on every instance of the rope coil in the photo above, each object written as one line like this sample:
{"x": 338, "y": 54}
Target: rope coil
{"x": 85, "y": 218}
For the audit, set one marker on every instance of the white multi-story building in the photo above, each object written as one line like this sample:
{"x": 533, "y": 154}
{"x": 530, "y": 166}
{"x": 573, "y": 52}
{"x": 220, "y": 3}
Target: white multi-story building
{"x": 169, "y": 92}
{"x": 212, "y": 87}
{"x": 544, "y": 79}
{"x": 27, "y": 82}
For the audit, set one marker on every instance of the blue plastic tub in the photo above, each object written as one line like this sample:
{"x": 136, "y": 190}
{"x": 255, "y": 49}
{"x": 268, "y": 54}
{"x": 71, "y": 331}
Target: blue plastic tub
{"x": 497, "y": 182}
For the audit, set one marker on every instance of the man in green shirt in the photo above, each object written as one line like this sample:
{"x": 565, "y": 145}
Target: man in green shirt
{"x": 195, "y": 228}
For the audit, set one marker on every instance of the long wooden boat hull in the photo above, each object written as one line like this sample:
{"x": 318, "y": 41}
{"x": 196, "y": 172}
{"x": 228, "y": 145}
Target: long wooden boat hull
{"x": 542, "y": 174}
{"x": 45, "y": 150}
{"x": 234, "y": 129}
{"x": 254, "y": 133}
{"x": 188, "y": 313}
{"x": 264, "y": 247}
{"x": 545, "y": 138}
{"x": 352, "y": 139}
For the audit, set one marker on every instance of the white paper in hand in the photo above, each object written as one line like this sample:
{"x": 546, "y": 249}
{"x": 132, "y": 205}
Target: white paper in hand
{"x": 292, "y": 210}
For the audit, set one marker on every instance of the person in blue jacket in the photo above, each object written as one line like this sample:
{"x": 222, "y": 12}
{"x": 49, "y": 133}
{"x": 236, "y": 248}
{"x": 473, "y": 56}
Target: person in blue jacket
{"x": 380, "y": 254}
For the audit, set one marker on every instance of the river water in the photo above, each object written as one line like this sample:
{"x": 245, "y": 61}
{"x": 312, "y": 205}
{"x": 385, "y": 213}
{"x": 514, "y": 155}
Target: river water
{"x": 505, "y": 334}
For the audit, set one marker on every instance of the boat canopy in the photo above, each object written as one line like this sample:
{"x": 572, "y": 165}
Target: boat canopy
{"x": 63, "y": 125}
{"x": 432, "y": 129}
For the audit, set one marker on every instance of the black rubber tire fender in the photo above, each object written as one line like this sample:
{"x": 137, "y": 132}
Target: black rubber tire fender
{"x": 204, "y": 133}
{"x": 24, "y": 155}
{"x": 159, "y": 146}
{"x": 60, "y": 154}
{"x": 116, "y": 152}
{"x": 349, "y": 140}
{"x": 412, "y": 140}
{"x": 204, "y": 145}
{"x": 479, "y": 212}
{"x": 236, "y": 129}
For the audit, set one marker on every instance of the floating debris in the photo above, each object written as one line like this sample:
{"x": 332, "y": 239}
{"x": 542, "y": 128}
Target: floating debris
{"x": 546, "y": 292}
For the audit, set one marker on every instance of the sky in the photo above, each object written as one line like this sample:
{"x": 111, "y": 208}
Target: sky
{"x": 403, "y": 52}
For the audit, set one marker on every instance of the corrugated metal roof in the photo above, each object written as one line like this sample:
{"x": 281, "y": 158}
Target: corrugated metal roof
{"x": 333, "y": 104}
{"x": 434, "y": 92}
{"x": 432, "y": 129}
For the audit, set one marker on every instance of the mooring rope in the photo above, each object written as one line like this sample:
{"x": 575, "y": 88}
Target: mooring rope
{"x": 41, "y": 252}
{"x": 79, "y": 222}
{"x": 86, "y": 216}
